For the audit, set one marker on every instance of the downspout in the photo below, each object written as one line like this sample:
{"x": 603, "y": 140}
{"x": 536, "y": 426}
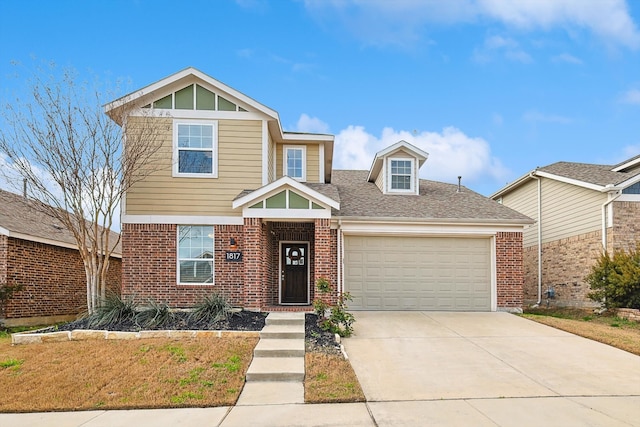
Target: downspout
{"x": 533, "y": 175}
{"x": 339, "y": 253}
{"x": 612, "y": 196}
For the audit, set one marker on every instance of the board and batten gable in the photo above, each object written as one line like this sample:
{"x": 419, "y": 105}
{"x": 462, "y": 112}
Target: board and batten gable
{"x": 567, "y": 209}
{"x": 239, "y": 166}
{"x": 312, "y": 164}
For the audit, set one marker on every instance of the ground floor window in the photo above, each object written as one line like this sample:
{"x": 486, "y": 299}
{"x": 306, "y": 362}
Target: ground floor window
{"x": 195, "y": 254}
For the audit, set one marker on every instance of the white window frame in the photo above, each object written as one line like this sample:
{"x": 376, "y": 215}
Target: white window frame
{"x": 178, "y": 259}
{"x": 285, "y": 170}
{"x": 214, "y": 149}
{"x": 412, "y": 180}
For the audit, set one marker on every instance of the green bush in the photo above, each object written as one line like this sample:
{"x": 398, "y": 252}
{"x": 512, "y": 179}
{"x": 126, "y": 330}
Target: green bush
{"x": 154, "y": 314}
{"x": 615, "y": 280}
{"x": 340, "y": 321}
{"x": 211, "y": 309}
{"x": 113, "y": 310}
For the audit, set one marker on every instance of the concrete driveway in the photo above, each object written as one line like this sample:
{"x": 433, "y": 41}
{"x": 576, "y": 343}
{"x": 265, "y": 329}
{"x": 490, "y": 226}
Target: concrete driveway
{"x": 489, "y": 369}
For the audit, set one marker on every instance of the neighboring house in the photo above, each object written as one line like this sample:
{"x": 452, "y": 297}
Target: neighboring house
{"x": 39, "y": 253}
{"x": 243, "y": 208}
{"x": 580, "y": 209}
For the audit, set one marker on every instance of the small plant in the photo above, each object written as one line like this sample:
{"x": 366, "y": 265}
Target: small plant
{"x": 11, "y": 363}
{"x": 155, "y": 314}
{"x": 339, "y": 321}
{"x": 615, "y": 280}
{"x": 113, "y": 310}
{"x": 211, "y": 309}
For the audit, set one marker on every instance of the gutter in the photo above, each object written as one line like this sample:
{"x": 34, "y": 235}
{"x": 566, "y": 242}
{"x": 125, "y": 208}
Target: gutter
{"x": 339, "y": 255}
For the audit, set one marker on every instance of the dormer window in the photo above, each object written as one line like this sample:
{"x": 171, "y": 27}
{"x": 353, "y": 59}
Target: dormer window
{"x": 295, "y": 161}
{"x": 401, "y": 176}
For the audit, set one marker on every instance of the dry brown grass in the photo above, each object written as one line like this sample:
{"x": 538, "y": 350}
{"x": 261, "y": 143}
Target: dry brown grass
{"x": 330, "y": 379}
{"x": 607, "y": 329}
{"x": 151, "y": 373}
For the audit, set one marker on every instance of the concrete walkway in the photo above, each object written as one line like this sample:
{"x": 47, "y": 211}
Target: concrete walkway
{"x": 276, "y": 373}
{"x": 436, "y": 369}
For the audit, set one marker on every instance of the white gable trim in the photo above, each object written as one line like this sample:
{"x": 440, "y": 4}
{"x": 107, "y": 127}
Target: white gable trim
{"x": 4, "y": 231}
{"x": 378, "y": 161}
{"x": 629, "y": 182}
{"x": 569, "y": 180}
{"x": 282, "y": 184}
{"x": 184, "y": 74}
{"x": 626, "y": 165}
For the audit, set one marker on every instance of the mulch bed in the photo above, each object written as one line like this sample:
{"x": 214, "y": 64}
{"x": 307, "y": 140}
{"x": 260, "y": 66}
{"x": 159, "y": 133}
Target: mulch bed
{"x": 316, "y": 340}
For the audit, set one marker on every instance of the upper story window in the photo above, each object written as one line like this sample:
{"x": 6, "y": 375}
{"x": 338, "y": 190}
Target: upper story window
{"x": 195, "y": 149}
{"x": 195, "y": 254}
{"x": 632, "y": 189}
{"x": 401, "y": 175}
{"x": 295, "y": 161}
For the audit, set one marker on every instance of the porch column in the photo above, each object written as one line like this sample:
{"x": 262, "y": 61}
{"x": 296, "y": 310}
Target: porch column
{"x": 322, "y": 257}
{"x": 254, "y": 263}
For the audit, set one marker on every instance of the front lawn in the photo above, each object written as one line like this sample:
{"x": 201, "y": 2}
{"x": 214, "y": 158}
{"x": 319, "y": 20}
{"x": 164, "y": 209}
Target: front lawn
{"x": 606, "y": 328}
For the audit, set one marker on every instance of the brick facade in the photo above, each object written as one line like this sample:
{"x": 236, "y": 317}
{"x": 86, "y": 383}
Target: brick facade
{"x": 509, "y": 272}
{"x": 53, "y": 279}
{"x": 149, "y": 267}
{"x": 565, "y": 264}
{"x": 625, "y": 233}
{"x": 150, "y": 262}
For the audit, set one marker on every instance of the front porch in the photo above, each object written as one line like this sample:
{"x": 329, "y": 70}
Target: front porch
{"x": 283, "y": 260}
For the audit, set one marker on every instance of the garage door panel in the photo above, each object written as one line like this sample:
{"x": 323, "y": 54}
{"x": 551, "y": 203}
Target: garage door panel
{"x": 418, "y": 273}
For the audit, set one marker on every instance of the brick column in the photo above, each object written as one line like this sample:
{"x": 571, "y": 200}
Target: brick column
{"x": 509, "y": 271}
{"x": 323, "y": 262}
{"x": 254, "y": 262}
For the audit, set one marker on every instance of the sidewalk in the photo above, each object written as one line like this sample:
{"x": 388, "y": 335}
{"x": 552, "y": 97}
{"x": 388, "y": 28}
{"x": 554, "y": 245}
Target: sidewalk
{"x": 523, "y": 412}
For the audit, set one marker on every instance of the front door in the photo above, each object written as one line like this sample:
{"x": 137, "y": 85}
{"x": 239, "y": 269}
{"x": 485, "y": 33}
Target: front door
{"x": 294, "y": 278}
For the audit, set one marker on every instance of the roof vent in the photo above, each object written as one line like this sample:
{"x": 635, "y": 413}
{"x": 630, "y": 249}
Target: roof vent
{"x": 459, "y": 185}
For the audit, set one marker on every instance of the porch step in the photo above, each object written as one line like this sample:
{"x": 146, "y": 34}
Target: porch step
{"x": 276, "y": 369}
{"x": 286, "y": 331}
{"x": 284, "y": 318}
{"x": 278, "y": 347}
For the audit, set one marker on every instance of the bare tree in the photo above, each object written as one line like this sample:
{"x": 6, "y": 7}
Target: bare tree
{"x": 72, "y": 156}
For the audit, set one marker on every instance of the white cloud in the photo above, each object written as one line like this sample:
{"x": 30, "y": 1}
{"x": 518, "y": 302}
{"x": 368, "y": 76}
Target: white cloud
{"x": 568, "y": 58}
{"x": 451, "y": 153}
{"x": 538, "y": 117}
{"x": 503, "y": 46}
{"x": 632, "y": 96}
{"x": 401, "y": 22}
{"x": 311, "y": 125}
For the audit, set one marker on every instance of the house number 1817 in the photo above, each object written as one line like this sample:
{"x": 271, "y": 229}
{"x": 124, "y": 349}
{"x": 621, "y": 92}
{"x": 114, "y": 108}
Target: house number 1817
{"x": 233, "y": 256}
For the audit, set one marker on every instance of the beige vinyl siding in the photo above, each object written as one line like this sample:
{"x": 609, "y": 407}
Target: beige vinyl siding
{"x": 569, "y": 210}
{"x": 312, "y": 164}
{"x": 525, "y": 200}
{"x": 239, "y": 168}
{"x": 380, "y": 179}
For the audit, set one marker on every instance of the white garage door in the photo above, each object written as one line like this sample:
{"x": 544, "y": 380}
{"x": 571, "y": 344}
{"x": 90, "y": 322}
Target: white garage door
{"x": 418, "y": 273}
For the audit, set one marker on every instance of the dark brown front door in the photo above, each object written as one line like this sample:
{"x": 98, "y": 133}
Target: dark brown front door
{"x": 294, "y": 277}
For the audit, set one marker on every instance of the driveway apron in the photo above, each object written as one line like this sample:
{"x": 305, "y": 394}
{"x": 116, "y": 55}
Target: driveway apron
{"x": 486, "y": 363}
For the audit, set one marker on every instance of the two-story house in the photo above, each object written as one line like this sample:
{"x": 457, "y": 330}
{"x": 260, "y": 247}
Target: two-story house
{"x": 246, "y": 209}
{"x": 580, "y": 210}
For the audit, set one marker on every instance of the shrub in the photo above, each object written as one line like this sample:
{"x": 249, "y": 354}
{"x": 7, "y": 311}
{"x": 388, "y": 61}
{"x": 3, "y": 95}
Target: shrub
{"x": 211, "y": 309}
{"x": 339, "y": 321}
{"x": 6, "y": 292}
{"x": 154, "y": 314}
{"x": 113, "y": 310}
{"x": 615, "y": 280}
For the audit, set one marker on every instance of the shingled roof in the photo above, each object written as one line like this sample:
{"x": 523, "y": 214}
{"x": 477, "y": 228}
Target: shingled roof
{"x": 437, "y": 201}
{"x": 19, "y": 218}
{"x": 589, "y": 173}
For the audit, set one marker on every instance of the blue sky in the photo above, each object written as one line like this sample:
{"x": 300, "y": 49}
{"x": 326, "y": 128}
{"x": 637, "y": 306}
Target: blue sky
{"x": 490, "y": 88}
